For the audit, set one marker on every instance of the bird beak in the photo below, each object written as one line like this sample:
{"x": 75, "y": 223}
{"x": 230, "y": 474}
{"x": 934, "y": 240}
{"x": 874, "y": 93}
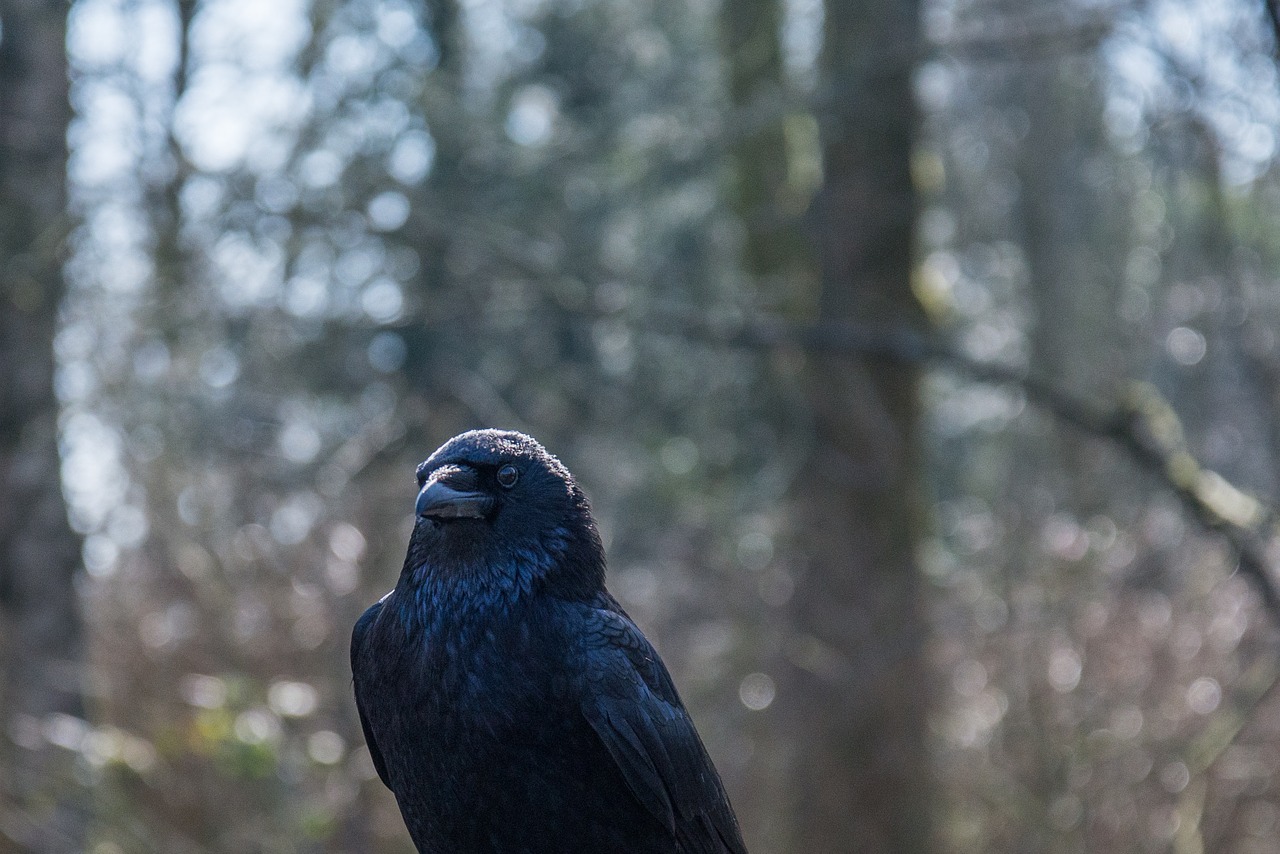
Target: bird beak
{"x": 451, "y": 494}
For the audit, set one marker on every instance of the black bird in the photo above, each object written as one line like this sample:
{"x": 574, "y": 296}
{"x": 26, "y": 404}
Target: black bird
{"x": 506, "y": 698}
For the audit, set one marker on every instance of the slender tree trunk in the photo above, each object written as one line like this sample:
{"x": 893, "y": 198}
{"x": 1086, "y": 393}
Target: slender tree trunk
{"x": 1072, "y": 228}
{"x": 40, "y": 648}
{"x": 856, "y": 693}
{"x": 784, "y": 272}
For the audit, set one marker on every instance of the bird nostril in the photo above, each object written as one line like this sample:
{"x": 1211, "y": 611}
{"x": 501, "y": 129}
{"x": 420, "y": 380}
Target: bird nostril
{"x": 461, "y": 478}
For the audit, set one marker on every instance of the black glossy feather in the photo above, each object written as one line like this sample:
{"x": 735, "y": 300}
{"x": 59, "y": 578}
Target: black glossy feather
{"x": 633, "y": 707}
{"x": 357, "y": 642}
{"x": 507, "y": 700}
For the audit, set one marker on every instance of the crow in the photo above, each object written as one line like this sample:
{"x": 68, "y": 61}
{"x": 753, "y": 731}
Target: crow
{"x": 507, "y": 700}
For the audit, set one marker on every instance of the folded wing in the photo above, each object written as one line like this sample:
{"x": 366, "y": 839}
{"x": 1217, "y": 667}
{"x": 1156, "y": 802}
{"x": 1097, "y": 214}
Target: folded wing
{"x": 632, "y": 704}
{"x": 358, "y": 636}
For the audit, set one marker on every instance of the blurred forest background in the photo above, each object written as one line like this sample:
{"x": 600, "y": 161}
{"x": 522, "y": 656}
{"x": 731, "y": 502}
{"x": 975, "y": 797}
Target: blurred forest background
{"x": 921, "y": 359}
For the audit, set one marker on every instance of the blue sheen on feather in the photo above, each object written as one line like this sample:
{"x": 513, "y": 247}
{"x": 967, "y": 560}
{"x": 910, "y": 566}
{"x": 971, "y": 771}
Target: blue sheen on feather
{"x": 465, "y": 590}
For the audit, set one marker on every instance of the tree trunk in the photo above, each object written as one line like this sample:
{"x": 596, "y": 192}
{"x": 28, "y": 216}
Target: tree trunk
{"x": 856, "y": 692}
{"x": 41, "y": 806}
{"x": 784, "y": 275}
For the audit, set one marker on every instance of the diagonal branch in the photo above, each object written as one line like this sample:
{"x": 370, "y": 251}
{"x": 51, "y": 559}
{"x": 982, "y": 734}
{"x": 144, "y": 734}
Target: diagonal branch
{"x": 1141, "y": 423}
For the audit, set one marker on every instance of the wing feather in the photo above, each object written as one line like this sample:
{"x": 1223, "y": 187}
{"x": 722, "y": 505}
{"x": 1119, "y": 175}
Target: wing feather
{"x": 358, "y": 635}
{"x": 632, "y": 705}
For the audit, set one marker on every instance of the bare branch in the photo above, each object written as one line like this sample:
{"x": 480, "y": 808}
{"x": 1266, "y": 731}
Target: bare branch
{"x": 1141, "y": 422}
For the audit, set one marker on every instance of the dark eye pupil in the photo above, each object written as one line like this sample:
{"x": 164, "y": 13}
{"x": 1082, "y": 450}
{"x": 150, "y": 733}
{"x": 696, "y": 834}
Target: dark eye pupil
{"x": 507, "y": 476}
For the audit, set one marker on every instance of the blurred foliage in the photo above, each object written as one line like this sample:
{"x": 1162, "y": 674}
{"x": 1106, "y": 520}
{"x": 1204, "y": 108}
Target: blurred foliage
{"x": 315, "y": 240}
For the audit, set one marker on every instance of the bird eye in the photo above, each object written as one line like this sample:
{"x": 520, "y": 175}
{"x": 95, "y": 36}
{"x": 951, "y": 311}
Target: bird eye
{"x": 507, "y": 476}
{"x": 421, "y": 474}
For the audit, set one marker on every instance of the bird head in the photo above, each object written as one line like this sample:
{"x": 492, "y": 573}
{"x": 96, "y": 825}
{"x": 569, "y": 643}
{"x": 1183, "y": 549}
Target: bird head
{"x": 494, "y": 508}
